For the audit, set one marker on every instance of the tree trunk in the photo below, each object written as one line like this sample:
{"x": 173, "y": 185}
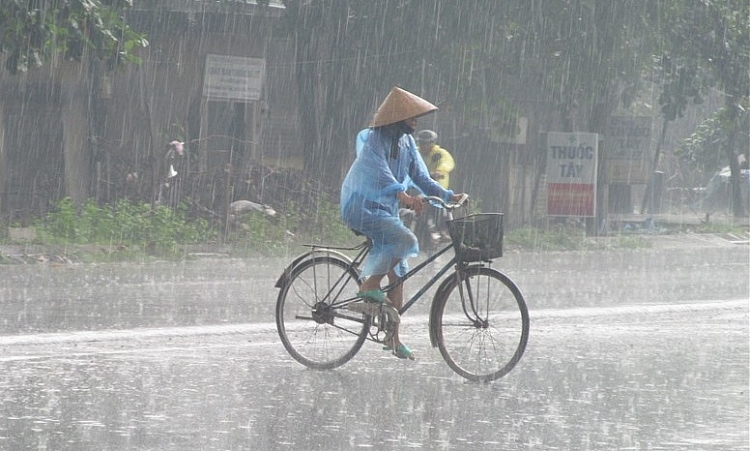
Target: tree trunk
{"x": 2, "y": 158}
{"x": 77, "y": 153}
{"x": 657, "y": 154}
{"x": 308, "y": 112}
{"x": 734, "y": 179}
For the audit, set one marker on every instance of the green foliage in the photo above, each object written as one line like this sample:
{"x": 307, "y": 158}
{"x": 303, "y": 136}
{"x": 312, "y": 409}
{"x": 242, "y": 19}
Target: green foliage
{"x": 704, "y": 148}
{"x": 31, "y": 31}
{"x": 259, "y": 233}
{"x": 554, "y": 238}
{"x": 157, "y": 229}
{"x": 682, "y": 84}
{"x": 717, "y": 227}
{"x": 707, "y": 44}
{"x": 325, "y": 225}
{"x": 566, "y": 238}
{"x": 142, "y": 227}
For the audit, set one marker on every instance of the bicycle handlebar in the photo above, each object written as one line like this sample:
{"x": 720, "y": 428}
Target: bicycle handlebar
{"x": 450, "y": 206}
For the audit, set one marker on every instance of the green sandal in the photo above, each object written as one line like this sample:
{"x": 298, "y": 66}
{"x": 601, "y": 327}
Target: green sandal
{"x": 403, "y": 352}
{"x": 373, "y": 295}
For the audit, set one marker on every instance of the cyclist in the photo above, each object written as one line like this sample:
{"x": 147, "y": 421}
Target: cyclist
{"x": 440, "y": 163}
{"x": 385, "y": 166}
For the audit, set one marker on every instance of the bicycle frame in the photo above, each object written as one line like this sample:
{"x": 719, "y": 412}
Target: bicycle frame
{"x": 433, "y": 280}
{"x": 364, "y": 249}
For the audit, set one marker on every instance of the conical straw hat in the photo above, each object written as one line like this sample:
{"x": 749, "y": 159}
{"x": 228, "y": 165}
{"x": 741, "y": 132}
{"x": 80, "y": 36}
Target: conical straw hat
{"x": 400, "y": 105}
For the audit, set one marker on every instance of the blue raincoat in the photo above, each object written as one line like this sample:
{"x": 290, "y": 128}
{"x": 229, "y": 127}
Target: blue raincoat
{"x": 387, "y": 163}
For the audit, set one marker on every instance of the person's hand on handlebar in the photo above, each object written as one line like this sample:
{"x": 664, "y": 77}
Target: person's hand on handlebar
{"x": 411, "y": 202}
{"x": 456, "y": 201}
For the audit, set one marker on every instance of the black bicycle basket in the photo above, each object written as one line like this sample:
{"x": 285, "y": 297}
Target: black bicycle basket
{"x": 477, "y": 237}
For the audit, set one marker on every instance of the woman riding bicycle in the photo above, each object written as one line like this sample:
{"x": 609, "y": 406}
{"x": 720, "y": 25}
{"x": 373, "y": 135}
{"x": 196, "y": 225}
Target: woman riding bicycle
{"x": 376, "y": 184}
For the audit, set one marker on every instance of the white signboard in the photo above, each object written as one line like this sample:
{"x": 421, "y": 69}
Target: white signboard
{"x": 233, "y": 78}
{"x": 571, "y": 174}
{"x": 571, "y": 157}
{"x": 627, "y": 145}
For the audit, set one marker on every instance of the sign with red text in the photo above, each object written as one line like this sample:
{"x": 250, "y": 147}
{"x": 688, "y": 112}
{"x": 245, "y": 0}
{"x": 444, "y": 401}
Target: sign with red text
{"x": 571, "y": 174}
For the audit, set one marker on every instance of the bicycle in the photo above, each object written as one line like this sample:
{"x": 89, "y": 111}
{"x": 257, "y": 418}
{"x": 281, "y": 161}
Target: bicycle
{"x": 478, "y": 317}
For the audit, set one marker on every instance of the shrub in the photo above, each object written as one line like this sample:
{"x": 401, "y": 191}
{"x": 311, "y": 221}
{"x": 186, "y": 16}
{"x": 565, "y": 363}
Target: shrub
{"x": 156, "y": 228}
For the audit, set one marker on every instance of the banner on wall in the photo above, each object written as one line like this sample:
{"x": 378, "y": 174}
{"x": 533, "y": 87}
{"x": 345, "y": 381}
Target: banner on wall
{"x": 571, "y": 174}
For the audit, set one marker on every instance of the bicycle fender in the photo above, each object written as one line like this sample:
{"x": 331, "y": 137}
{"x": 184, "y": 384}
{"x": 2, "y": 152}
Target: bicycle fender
{"x": 439, "y": 293}
{"x": 305, "y": 256}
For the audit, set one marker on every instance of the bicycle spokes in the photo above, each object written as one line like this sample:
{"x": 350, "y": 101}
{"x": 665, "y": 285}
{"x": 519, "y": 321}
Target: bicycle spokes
{"x": 481, "y": 324}
{"x": 313, "y": 328}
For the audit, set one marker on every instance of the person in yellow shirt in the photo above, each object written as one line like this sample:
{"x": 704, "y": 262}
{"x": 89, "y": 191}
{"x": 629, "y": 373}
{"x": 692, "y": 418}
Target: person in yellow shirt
{"x": 439, "y": 163}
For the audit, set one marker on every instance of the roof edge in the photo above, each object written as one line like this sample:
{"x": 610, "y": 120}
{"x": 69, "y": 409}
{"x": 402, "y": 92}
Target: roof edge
{"x": 249, "y": 7}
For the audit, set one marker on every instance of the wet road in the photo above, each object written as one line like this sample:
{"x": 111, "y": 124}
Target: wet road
{"x": 628, "y": 350}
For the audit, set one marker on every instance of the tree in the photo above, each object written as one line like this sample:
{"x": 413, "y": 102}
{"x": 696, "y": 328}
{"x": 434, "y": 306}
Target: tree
{"x": 32, "y": 31}
{"x": 469, "y": 54}
{"x": 350, "y": 53}
{"x": 712, "y": 38}
{"x": 489, "y": 61}
{"x": 682, "y": 84}
{"x": 88, "y": 32}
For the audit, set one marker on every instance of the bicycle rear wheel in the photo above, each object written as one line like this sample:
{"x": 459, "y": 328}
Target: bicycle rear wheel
{"x": 482, "y": 324}
{"x": 314, "y": 327}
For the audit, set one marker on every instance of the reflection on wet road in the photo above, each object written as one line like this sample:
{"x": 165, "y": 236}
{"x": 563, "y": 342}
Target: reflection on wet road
{"x": 628, "y": 350}
{"x": 659, "y": 377}
{"x": 42, "y": 298}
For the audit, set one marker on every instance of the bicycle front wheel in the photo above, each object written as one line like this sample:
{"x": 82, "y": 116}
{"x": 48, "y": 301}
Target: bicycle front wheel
{"x": 482, "y": 324}
{"x": 314, "y": 327}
